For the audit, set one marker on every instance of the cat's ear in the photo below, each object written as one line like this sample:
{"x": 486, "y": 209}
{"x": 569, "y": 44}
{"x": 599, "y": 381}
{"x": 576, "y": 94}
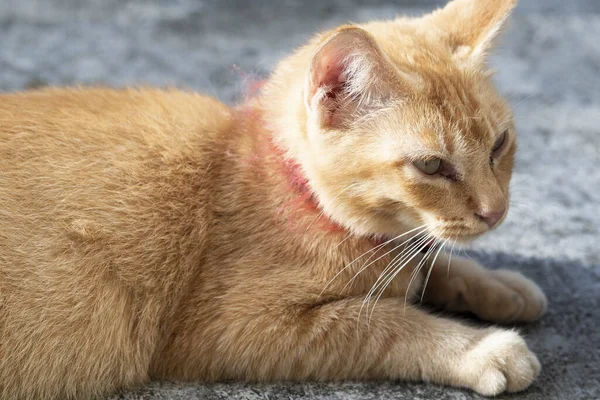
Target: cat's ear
{"x": 472, "y": 26}
{"x": 346, "y": 78}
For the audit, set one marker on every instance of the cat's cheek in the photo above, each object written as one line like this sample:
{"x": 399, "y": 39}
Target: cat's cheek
{"x": 430, "y": 219}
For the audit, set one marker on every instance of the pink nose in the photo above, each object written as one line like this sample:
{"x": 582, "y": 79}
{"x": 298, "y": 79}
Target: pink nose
{"x": 491, "y": 218}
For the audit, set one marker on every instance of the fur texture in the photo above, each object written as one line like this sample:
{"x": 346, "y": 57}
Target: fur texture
{"x": 153, "y": 234}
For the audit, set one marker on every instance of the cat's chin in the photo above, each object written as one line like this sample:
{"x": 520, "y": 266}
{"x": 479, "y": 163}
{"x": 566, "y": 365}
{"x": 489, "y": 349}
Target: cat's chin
{"x": 462, "y": 238}
{"x": 433, "y": 238}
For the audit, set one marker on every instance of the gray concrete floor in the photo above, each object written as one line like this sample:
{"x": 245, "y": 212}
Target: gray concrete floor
{"x": 549, "y": 66}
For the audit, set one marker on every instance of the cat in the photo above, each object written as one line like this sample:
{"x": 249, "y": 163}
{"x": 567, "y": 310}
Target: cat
{"x": 160, "y": 234}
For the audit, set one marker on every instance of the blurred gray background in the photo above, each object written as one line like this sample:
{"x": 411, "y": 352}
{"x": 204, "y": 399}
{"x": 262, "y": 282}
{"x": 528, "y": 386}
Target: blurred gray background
{"x": 548, "y": 65}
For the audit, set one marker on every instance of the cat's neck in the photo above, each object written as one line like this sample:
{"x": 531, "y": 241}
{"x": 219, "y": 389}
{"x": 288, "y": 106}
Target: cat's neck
{"x": 261, "y": 156}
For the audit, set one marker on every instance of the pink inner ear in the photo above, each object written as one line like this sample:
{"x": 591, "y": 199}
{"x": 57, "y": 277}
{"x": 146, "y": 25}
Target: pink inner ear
{"x": 328, "y": 73}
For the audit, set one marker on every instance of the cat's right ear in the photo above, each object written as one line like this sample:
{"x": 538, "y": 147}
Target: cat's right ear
{"x": 346, "y": 78}
{"x": 472, "y": 26}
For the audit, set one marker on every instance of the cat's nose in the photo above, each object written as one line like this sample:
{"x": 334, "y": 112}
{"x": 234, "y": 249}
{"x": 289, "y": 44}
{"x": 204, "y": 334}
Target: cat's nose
{"x": 491, "y": 217}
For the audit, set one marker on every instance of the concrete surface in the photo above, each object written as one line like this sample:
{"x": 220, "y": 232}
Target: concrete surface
{"x": 549, "y": 65}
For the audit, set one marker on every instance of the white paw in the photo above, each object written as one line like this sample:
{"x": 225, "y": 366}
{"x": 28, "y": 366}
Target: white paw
{"x": 500, "y": 362}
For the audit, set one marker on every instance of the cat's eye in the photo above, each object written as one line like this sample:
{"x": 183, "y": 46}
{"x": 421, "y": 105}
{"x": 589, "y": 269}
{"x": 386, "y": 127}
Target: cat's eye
{"x": 429, "y": 167}
{"x": 499, "y": 143}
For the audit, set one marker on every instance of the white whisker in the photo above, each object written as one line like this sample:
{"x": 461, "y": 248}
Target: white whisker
{"x": 422, "y": 245}
{"x": 407, "y": 252}
{"x": 395, "y": 248}
{"x": 411, "y": 247}
{"x": 431, "y": 268}
{"x": 450, "y": 258}
{"x": 416, "y": 271}
{"x": 365, "y": 253}
{"x": 348, "y": 236}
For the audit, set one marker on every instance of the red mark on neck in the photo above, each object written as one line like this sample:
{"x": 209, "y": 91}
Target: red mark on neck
{"x": 302, "y": 211}
{"x": 304, "y": 206}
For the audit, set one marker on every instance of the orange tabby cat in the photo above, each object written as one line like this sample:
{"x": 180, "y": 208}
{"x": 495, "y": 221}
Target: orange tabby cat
{"x": 152, "y": 234}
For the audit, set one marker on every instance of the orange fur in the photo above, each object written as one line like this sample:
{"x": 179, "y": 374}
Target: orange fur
{"x": 153, "y": 234}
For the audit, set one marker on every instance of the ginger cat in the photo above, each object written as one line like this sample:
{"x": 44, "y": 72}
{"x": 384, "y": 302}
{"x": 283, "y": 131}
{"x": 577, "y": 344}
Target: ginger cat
{"x": 150, "y": 234}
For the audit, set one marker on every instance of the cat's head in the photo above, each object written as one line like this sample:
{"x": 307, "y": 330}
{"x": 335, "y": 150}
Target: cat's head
{"x": 400, "y": 125}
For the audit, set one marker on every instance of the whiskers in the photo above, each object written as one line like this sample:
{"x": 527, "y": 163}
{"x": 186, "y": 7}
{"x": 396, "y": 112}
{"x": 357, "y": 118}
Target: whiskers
{"x": 432, "y": 248}
{"x": 395, "y": 266}
{"x": 425, "y": 241}
{"x": 374, "y": 251}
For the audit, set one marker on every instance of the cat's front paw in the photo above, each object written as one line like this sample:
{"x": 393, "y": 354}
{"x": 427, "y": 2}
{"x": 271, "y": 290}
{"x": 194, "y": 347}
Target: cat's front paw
{"x": 500, "y": 362}
{"x": 523, "y": 296}
{"x": 498, "y": 296}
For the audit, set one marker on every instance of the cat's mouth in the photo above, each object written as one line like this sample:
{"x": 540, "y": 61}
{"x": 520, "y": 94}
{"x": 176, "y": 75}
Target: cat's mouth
{"x": 425, "y": 243}
{"x": 462, "y": 238}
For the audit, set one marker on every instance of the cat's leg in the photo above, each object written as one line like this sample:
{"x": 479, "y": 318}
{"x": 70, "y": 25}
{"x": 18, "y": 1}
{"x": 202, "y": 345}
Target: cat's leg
{"x": 460, "y": 284}
{"x": 328, "y": 342}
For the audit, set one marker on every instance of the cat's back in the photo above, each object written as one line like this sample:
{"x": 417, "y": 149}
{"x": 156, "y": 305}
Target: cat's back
{"x": 96, "y": 119}
{"x": 100, "y": 173}
{"x": 103, "y": 197}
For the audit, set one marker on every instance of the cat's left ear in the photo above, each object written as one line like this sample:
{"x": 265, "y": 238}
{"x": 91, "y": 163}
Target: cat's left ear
{"x": 348, "y": 75}
{"x": 471, "y": 26}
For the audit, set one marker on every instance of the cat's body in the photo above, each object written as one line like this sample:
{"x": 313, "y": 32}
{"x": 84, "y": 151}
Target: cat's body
{"x": 123, "y": 259}
{"x": 161, "y": 234}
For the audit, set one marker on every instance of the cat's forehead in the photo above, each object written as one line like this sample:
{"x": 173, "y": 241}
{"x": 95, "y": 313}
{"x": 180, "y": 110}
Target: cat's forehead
{"x": 450, "y": 123}
{"x": 460, "y": 106}
{"x": 445, "y": 109}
